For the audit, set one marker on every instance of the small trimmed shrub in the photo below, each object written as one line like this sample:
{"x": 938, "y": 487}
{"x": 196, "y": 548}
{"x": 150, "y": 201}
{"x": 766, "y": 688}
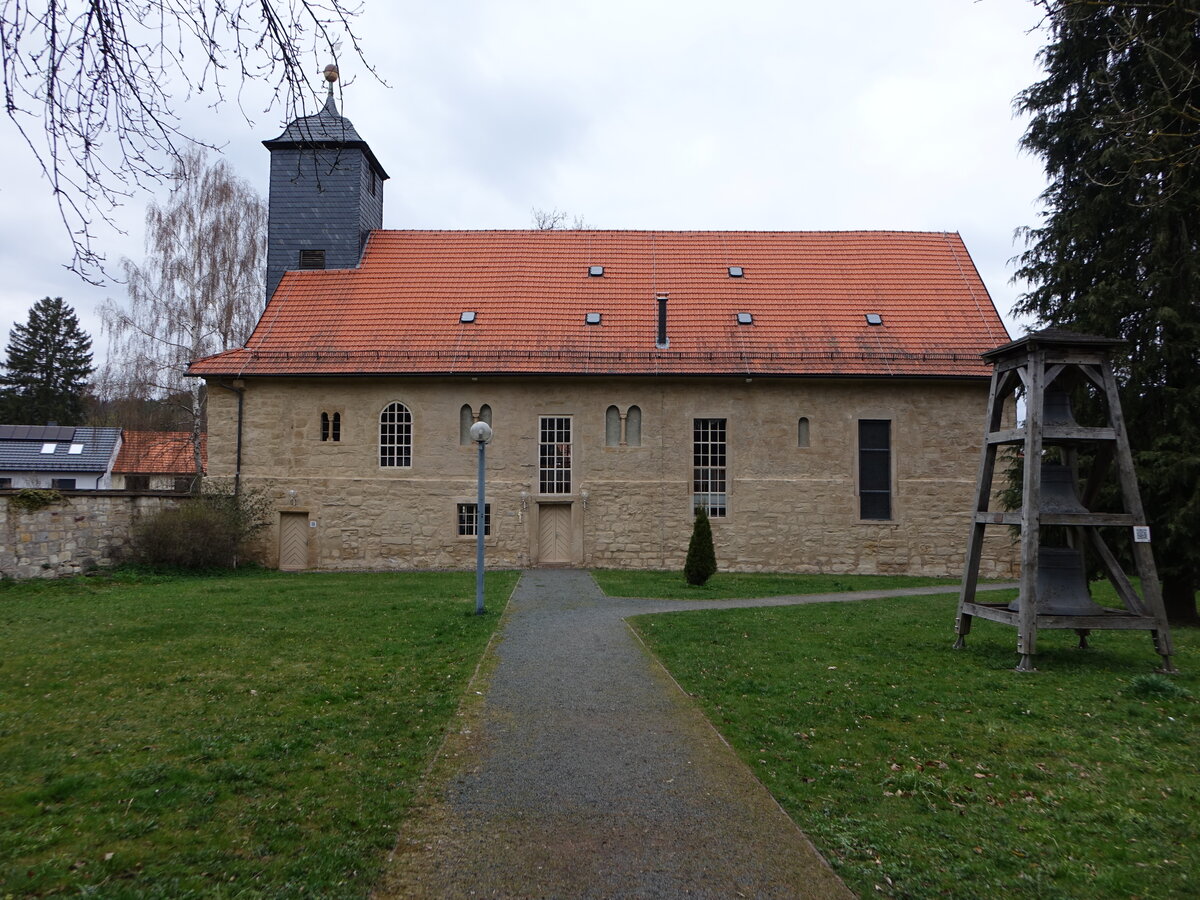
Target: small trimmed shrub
{"x": 211, "y": 531}
{"x": 701, "y": 562}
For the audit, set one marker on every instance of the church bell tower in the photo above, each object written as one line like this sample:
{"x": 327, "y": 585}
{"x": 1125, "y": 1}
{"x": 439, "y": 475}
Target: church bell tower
{"x": 326, "y": 194}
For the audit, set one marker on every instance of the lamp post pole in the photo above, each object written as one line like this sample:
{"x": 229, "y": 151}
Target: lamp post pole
{"x": 481, "y": 433}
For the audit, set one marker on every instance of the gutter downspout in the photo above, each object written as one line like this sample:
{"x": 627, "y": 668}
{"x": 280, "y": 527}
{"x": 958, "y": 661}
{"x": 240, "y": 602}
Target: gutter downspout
{"x": 239, "y": 388}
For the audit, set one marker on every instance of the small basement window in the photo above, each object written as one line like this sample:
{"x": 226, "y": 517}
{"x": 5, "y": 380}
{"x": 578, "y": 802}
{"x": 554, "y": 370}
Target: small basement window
{"x": 467, "y": 316}
{"x": 592, "y": 318}
{"x": 595, "y": 271}
{"x": 745, "y": 318}
{"x": 49, "y": 448}
{"x": 874, "y": 319}
{"x": 312, "y": 259}
{"x": 736, "y": 272}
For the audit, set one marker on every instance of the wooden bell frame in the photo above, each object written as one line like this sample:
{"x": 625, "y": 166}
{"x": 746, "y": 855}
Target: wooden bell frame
{"x": 1034, "y": 363}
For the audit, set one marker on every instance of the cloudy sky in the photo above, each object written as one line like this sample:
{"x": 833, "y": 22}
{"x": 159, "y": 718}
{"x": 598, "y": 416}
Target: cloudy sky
{"x": 672, "y": 114}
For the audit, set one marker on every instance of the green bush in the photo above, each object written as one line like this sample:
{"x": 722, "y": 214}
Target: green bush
{"x": 701, "y": 562}
{"x": 213, "y": 530}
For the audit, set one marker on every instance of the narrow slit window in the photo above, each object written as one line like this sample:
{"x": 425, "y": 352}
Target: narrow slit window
{"x": 336, "y": 428}
{"x": 324, "y": 426}
{"x": 612, "y": 427}
{"x": 633, "y": 427}
{"x": 802, "y": 432}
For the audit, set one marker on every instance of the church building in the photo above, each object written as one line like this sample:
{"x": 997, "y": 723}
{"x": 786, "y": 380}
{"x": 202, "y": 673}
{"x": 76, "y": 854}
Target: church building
{"x": 819, "y": 394}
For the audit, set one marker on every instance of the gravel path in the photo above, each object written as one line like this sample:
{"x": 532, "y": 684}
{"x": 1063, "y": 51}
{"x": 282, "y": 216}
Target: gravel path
{"x": 582, "y": 770}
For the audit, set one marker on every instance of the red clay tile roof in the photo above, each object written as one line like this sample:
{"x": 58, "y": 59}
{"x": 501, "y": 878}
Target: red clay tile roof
{"x": 159, "y": 453}
{"x": 809, "y": 294}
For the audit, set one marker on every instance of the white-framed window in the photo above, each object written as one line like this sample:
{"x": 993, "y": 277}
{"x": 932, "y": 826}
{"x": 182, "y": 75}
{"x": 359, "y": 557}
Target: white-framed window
{"x": 468, "y": 521}
{"x": 708, "y": 467}
{"x": 554, "y": 455}
{"x": 395, "y": 436}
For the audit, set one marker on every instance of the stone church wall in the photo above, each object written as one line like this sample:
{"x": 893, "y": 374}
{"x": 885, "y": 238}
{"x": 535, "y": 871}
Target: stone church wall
{"x": 791, "y": 507}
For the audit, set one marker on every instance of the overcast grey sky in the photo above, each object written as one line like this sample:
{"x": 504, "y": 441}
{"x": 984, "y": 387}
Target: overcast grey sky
{"x": 672, "y": 114}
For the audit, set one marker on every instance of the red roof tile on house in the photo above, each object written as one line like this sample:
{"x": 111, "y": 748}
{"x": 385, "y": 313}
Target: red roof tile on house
{"x": 809, "y": 294}
{"x": 159, "y": 453}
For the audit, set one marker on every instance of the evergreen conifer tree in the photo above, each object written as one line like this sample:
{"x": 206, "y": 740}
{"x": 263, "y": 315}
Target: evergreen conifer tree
{"x": 46, "y": 367}
{"x": 701, "y": 563}
{"x": 1116, "y": 122}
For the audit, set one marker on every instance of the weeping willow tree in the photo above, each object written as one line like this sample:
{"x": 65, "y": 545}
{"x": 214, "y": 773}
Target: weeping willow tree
{"x": 1116, "y": 122}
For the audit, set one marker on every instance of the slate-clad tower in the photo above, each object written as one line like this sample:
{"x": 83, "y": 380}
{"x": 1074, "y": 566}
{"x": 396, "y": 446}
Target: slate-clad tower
{"x": 326, "y": 195}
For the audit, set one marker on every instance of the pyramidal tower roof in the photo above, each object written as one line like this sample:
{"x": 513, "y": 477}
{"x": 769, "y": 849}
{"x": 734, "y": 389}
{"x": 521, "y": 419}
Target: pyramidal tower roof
{"x": 328, "y": 128}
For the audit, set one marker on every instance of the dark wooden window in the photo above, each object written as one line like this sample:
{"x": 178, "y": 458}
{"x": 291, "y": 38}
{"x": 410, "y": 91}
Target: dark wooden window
{"x": 312, "y": 259}
{"x": 137, "y": 482}
{"x": 875, "y": 469}
{"x": 5, "y": 483}
{"x": 62, "y": 484}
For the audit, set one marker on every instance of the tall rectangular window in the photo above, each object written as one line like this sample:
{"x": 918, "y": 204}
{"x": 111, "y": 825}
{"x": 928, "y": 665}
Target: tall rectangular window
{"x": 874, "y": 469}
{"x": 554, "y": 455}
{"x": 708, "y": 467}
{"x": 468, "y": 521}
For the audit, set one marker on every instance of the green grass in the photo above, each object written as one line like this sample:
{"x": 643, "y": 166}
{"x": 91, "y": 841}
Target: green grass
{"x": 248, "y": 736}
{"x": 920, "y": 771}
{"x": 734, "y": 585}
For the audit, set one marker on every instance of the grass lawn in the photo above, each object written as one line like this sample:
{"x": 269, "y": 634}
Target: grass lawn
{"x": 248, "y": 736}
{"x": 920, "y": 771}
{"x": 734, "y": 585}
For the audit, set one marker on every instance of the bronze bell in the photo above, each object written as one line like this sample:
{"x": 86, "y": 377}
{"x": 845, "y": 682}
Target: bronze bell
{"x": 1058, "y": 490}
{"x": 1062, "y": 584}
{"x": 1056, "y": 407}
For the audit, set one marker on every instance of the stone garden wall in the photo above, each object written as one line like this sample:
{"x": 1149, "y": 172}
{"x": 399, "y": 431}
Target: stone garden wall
{"x": 81, "y": 531}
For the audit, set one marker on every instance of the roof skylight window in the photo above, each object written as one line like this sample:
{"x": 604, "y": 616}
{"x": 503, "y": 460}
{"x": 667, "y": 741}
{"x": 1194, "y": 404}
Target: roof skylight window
{"x": 745, "y": 318}
{"x": 736, "y": 272}
{"x": 874, "y": 319}
{"x": 592, "y": 318}
{"x": 595, "y": 271}
{"x": 75, "y": 449}
{"x": 467, "y": 316}
{"x": 49, "y": 448}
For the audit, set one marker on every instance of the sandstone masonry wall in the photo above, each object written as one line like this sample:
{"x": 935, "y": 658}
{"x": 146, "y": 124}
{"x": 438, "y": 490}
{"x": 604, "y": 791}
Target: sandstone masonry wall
{"x": 84, "y": 531}
{"x": 791, "y": 507}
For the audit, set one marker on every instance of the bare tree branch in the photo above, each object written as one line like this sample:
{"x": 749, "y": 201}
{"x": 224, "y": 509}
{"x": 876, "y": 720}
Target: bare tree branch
{"x": 91, "y": 86}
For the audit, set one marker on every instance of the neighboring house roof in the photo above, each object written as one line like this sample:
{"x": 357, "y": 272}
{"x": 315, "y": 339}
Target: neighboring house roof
{"x": 160, "y": 453}
{"x": 809, "y": 295}
{"x": 23, "y": 448}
